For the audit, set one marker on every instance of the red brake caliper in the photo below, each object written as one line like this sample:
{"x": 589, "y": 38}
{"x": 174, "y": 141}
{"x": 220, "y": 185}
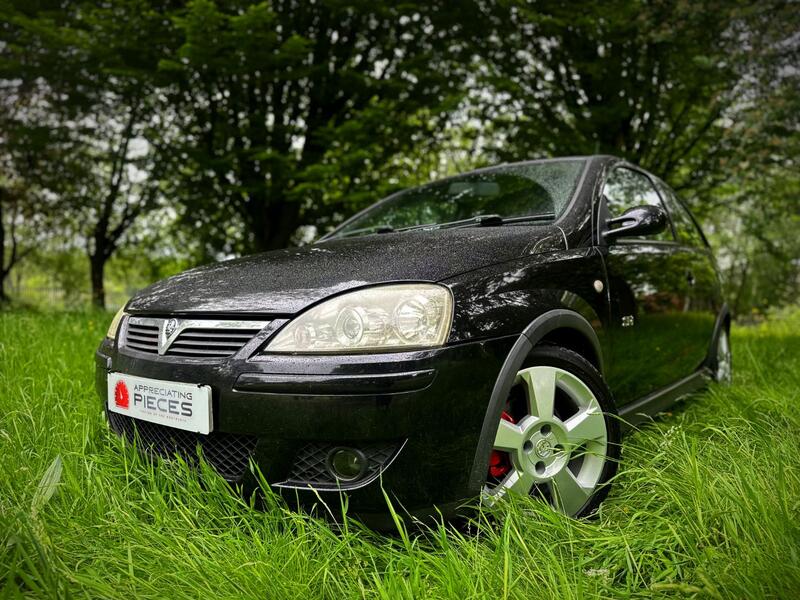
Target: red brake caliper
{"x": 499, "y": 461}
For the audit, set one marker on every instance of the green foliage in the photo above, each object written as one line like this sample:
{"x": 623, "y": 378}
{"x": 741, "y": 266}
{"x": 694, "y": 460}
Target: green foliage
{"x": 253, "y": 122}
{"x": 753, "y": 216}
{"x": 57, "y": 279}
{"x": 649, "y": 81}
{"x": 86, "y": 109}
{"x": 705, "y": 504}
{"x": 702, "y": 94}
{"x": 287, "y": 108}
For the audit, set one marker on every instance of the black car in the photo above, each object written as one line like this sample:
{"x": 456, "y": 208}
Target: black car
{"x": 491, "y": 332}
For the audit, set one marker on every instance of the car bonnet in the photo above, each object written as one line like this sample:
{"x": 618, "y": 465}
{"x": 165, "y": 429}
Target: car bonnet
{"x": 284, "y": 282}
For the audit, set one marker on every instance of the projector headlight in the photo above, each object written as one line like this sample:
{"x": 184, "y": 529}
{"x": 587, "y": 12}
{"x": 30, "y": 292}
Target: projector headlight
{"x": 388, "y": 317}
{"x": 114, "y": 327}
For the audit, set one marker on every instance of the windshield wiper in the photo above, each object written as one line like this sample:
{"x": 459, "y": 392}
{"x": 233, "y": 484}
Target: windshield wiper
{"x": 373, "y": 229}
{"x": 478, "y": 220}
{"x": 495, "y": 220}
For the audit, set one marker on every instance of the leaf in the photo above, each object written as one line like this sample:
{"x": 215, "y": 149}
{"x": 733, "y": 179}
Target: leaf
{"x": 47, "y": 486}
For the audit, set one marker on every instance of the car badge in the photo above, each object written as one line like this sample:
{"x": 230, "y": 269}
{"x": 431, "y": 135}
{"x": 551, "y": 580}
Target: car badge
{"x": 167, "y": 332}
{"x": 170, "y": 327}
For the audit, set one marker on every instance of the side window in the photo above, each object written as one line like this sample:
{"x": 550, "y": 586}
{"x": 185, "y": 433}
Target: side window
{"x": 685, "y": 228}
{"x": 626, "y": 188}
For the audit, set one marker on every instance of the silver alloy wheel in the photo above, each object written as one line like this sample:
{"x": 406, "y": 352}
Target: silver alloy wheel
{"x": 724, "y": 371}
{"x": 565, "y": 457}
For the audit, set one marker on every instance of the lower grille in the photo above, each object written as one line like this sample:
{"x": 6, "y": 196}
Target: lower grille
{"x": 228, "y": 453}
{"x": 310, "y": 466}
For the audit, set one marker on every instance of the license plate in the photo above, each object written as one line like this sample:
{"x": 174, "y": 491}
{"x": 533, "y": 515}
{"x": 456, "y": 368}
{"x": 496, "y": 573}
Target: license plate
{"x": 180, "y": 405}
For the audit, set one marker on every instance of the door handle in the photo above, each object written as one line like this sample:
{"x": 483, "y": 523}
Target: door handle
{"x": 690, "y": 278}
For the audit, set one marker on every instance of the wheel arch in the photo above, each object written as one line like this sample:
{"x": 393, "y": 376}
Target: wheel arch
{"x": 577, "y": 341}
{"x": 558, "y": 326}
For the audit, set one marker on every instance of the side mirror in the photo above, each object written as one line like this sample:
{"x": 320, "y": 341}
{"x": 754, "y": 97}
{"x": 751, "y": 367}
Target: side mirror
{"x": 639, "y": 220}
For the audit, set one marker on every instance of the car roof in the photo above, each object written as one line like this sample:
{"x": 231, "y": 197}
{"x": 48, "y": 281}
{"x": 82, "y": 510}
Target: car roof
{"x": 595, "y": 158}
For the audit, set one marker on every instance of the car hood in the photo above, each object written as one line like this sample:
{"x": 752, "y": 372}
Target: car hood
{"x": 284, "y": 282}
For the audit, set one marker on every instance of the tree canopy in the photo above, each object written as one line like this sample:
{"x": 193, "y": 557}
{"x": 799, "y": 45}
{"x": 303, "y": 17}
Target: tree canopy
{"x": 231, "y": 125}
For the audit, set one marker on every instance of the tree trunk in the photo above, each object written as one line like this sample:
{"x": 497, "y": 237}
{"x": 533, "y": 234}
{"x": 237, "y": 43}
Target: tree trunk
{"x": 3, "y": 272}
{"x": 3, "y": 297}
{"x": 272, "y": 224}
{"x": 740, "y": 291}
{"x": 97, "y": 263}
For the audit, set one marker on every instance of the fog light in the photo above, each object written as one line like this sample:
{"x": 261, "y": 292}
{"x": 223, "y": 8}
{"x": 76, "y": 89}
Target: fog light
{"x": 347, "y": 464}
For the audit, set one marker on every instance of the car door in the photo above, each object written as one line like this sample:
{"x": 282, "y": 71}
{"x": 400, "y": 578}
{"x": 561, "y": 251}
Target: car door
{"x": 647, "y": 292}
{"x": 704, "y": 299}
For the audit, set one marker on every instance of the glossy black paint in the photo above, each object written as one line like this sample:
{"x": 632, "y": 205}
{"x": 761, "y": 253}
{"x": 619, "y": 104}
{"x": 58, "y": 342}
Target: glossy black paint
{"x": 671, "y": 293}
{"x": 644, "y": 312}
{"x": 286, "y": 281}
{"x": 637, "y": 221}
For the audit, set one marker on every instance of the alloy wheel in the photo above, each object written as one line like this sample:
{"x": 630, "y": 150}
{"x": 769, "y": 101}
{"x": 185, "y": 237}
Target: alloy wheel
{"x": 724, "y": 371}
{"x": 557, "y": 448}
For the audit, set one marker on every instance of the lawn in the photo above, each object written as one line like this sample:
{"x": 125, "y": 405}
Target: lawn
{"x": 707, "y": 502}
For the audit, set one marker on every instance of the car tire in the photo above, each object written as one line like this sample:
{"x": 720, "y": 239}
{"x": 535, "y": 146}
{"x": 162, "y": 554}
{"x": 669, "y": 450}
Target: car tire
{"x": 722, "y": 365}
{"x": 558, "y": 436}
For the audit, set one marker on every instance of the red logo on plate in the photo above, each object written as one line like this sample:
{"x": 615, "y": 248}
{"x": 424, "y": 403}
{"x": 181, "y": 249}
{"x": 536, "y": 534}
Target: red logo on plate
{"x": 121, "y": 396}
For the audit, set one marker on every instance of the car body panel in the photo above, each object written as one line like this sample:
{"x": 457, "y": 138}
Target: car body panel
{"x": 663, "y": 302}
{"x": 504, "y": 299}
{"x": 285, "y": 282}
{"x": 649, "y": 295}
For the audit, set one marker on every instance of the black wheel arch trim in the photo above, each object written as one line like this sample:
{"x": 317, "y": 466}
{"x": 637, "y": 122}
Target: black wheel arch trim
{"x": 545, "y": 323}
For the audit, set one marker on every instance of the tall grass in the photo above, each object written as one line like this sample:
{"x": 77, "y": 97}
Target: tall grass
{"x": 707, "y": 503}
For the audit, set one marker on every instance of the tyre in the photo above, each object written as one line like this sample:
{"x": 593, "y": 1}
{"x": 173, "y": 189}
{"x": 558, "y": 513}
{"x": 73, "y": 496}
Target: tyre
{"x": 722, "y": 366}
{"x": 558, "y": 437}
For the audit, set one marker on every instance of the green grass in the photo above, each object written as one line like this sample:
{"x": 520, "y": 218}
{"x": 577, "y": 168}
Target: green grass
{"x": 707, "y": 503}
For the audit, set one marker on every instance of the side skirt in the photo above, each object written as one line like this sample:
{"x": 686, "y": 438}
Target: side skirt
{"x": 645, "y": 408}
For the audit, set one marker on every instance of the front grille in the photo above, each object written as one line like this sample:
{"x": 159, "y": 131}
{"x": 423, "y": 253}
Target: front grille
{"x": 310, "y": 466}
{"x": 142, "y": 337}
{"x": 210, "y": 342}
{"x": 228, "y": 453}
{"x": 189, "y": 338}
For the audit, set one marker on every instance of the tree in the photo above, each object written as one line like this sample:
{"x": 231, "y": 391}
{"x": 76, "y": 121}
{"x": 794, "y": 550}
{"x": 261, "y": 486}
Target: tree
{"x": 282, "y": 113}
{"x": 26, "y": 210}
{"x": 283, "y": 107}
{"x": 99, "y": 121}
{"x": 655, "y": 82}
{"x": 11, "y": 214}
{"x": 123, "y": 182}
{"x": 754, "y": 216}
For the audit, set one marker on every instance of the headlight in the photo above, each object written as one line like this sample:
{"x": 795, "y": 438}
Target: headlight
{"x": 389, "y": 317}
{"x": 112, "y": 329}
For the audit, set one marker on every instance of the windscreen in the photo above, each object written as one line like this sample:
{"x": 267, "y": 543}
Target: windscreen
{"x": 536, "y": 189}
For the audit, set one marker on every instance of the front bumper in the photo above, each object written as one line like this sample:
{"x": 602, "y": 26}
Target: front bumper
{"x": 421, "y": 412}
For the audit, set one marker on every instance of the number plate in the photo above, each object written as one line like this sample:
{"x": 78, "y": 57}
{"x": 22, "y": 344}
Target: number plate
{"x": 180, "y": 405}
